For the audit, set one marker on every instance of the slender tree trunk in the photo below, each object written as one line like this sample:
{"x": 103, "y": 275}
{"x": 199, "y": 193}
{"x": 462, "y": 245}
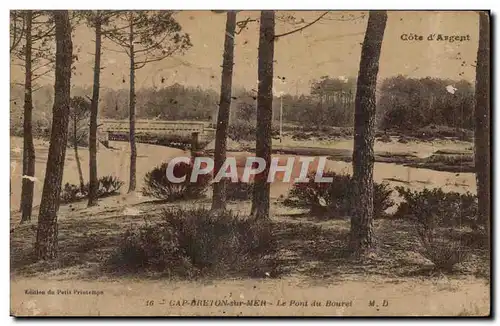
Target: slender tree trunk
{"x": 133, "y": 148}
{"x": 77, "y": 157}
{"x": 219, "y": 193}
{"x": 364, "y": 135}
{"x": 28, "y": 146}
{"x": 261, "y": 191}
{"x": 94, "y": 108}
{"x": 46, "y": 238}
{"x": 482, "y": 121}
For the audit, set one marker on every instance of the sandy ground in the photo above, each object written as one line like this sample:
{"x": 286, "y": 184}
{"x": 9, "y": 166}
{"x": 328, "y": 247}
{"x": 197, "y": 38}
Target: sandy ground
{"x": 401, "y": 296}
{"x": 116, "y": 162}
{"x": 259, "y": 297}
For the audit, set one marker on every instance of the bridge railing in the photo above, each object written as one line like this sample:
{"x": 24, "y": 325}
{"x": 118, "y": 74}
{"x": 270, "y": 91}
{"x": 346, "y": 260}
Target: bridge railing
{"x": 171, "y": 129}
{"x": 192, "y": 126}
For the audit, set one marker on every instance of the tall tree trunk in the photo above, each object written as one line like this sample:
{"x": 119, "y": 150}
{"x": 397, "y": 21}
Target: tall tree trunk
{"x": 364, "y": 135}
{"x": 46, "y": 238}
{"x": 94, "y": 108}
{"x": 482, "y": 121}
{"x": 77, "y": 157}
{"x": 133, "y": 148}
{"x": 219, "y": 193}
{"x": 261, "y": 191}
{"x": 28, "y": 146}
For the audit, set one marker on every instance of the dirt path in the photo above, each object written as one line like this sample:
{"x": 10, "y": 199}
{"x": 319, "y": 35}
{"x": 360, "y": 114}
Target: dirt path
{"x": 258, "y": 297}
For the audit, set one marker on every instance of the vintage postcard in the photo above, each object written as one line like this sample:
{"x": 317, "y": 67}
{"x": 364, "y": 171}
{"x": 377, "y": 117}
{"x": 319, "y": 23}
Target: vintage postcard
{"x": 250, "y": 163}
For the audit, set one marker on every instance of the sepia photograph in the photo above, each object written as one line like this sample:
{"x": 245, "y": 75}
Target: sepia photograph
{"x": 250, "y": 163}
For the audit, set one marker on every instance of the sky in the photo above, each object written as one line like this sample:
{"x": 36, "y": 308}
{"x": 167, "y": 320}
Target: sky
{"x": 330, "y": 47}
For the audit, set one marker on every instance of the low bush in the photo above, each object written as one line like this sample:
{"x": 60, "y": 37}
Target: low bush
{"x": 107, "y": 186}
{"x": 445, "y": 209}
{"x": 156, "y": 183}
{"x": 341, "y": 132}
{"x": 437, "y": 215}
{"x": 151, "y": 247}
{"x": 197, "y": 242}
{"x": 239, "y": 190}
{"x": 300, "y": 135}
{"x": 443, "y": 251}
{"x": 322, "y": 133}
{"x": 71, "y": 193}
{"x": 442, "y": 131}
{"x": 385, "y": 138}
{"x": 451, "y": 159}
{"x": 334, "y": 199}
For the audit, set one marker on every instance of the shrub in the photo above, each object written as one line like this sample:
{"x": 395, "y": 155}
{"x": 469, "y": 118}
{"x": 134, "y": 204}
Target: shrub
{"x": 72, "y": 193}
{"x": 437, "y": 246}
{"x": 403, "y": 140}
{"x": 156, "y": 183}
{"x": 221, "y": 240}
{"x": 436, "y": 214}
{"x": 443, "y": 208}
{"x": 107, "y": 186}
{"x": 150, "y": 247}
{"x": 451, "y": 159}
{"x": 196, "y": 242}
{"x": 334, "y": 199}
{"x": 442, "y": 131}
{"x": 385, "y": 138}
{"x": 300, "y": 135}
{"x": 341, "y": 132}
{"x": 239, "y": 190}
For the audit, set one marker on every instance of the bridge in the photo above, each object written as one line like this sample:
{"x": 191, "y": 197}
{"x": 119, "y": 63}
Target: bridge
{"x": 180, "y": 134}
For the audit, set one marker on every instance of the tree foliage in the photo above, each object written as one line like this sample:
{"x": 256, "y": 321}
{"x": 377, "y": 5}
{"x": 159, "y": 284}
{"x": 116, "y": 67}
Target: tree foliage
{"x": 42, "y": 42}
{"x": 79, "y": 114}
{"x": 156, "y": 35}
{"x": 411, "y": 103}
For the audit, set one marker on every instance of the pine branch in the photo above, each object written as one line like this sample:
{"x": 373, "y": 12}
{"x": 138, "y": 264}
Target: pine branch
{"x": 117, "y": 41}
{"x": 152, "y": 46}
{"x": 301, "y": 28}
{"x": 17, "y": 40}
{"x": 108, "y": 49}
{"x": 35, "y": 77}
{"x": 141, "y": 64}
{"x": 116, "y": 29}
{"x": 49, "y": 33}
{"x": 34, "y": 89}
{"x": 41, "y": 66}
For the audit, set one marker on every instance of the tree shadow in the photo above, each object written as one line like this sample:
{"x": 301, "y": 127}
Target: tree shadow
{"x": 81, "y": 242}
{"x": 320, "y": 250}
{"x": 311, "y": 249}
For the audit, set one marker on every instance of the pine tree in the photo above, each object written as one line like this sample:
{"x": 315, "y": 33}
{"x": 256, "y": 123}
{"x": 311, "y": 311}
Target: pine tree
{"x": 364, "y": 135}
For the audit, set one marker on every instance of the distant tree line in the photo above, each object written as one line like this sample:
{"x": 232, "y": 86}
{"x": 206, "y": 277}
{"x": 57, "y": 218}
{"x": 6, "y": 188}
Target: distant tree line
{"x": 410, "y": 103}
{"x": 174, "y": 102}
{"x": 403, "y": 103}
